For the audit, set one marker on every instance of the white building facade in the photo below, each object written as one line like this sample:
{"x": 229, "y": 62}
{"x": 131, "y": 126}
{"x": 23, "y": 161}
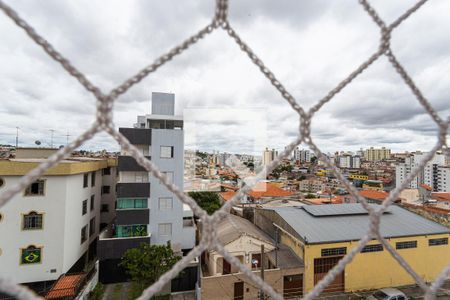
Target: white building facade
{"x": 51, "y": 227}
{"x": 429, "y": 175}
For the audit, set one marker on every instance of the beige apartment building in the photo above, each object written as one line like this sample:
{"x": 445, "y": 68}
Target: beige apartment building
{"x": 373, "y": 154}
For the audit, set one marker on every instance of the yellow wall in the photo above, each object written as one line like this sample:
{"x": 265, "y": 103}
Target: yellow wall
{"x": 357, "y": 176}
{"x": 375, "y": 270}
{"x": 19, "y": 168}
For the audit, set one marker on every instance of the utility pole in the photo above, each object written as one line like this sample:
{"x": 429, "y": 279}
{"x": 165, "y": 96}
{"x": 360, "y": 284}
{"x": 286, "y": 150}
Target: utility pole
{"x": 261, "y": 294}
{"x": 17, "y": 137}
{"x": 67, "y": 137}
{"x": 51, "y": 139}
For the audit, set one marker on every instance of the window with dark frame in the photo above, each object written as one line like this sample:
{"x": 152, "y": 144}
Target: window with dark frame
{"x": 92, "y": 202}
{"x": 106, "y": 189}
{"x": 438, "y": 242}
{"x": 104, "y": 208}
{"x": 93, "y": 178}
{"x": 31, "y": 221}
{"x": 84, "y": 207}
{"x": 406, "y": 245}
{"x": 91, "y": 226}
{"x": 37, "y": 188}
{"x": 84, "y": 234}
{"x": 334, "y": 251}
{"x": 85, "y": 180}
{"x": 166, "y": 151}
{"x": 106, "y": 171}
{"x": 372, "y": 248}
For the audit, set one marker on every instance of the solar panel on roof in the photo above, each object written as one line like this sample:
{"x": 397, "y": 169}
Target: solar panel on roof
{"x": 335, "y": 210}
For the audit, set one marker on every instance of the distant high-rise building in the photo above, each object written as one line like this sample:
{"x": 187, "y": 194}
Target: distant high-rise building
{"x": 268, "y": 156}
{"x": 373, "y": 154}
{"x": 302, "y": 155}
{"x": 349, "y": 161}
{"x": 434, "y": 174}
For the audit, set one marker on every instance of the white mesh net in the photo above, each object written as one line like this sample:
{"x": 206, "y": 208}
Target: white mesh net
{"x": 104, "y": 122}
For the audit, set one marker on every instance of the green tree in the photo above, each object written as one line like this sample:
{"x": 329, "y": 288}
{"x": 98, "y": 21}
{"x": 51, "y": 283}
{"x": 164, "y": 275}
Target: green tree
{"x": 209, "y": 201}
{"x": 310, "y": 196}
{"x": 147, "y": 263}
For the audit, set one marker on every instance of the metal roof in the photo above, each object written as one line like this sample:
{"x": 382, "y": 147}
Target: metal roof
{"x": 323, "y": 226}
{"x": 233, "y": 227}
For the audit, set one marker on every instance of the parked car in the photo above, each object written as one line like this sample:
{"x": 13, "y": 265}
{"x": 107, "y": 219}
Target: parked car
{"x": 388, "y": 294}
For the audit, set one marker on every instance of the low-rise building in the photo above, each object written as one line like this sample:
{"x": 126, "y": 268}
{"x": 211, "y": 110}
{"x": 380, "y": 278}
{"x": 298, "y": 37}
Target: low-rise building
{"x": 51, "y": 227}
{"x": 322, "y": 235}
{"x": 283, "y": 269}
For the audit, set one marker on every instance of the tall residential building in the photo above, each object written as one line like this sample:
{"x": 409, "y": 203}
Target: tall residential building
{"x": 443, "y": 179}
{"x": 373, "y": 154}
{"x": 51, "y": 227}
{"x": 349, "y": 162}
{"x": 302, "y": 155}
{"x": 268, "y": 156}
{"x": 429, "y": 175}
{"x": 147, "y": 212}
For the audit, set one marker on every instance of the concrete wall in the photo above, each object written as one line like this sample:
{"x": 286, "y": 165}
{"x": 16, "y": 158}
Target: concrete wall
{"x": 222, "y": 286}
{"x": 109, "y": 199}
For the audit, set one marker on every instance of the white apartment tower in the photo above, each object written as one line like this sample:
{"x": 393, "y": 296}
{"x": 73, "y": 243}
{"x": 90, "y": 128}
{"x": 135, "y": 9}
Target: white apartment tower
{"x": 434, "y": 174}
{"x": 147, "y": 212}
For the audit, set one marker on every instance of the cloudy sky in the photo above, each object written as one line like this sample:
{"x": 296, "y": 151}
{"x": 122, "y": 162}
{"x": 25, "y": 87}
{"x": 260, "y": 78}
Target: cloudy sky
{"x": 309, "y": 45}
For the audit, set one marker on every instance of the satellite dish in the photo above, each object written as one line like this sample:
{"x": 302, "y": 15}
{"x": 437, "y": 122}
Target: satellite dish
{"x": 37, "y": 142}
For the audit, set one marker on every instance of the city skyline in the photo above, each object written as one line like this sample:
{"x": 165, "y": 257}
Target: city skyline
{"x": 376, "y": 110}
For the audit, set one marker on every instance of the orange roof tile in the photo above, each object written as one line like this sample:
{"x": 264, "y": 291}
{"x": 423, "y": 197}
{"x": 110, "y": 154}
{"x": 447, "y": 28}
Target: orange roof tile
{"x": 426, "y": 186}
{"x": 268, "y": 189}
{"x": 229, "y": 186}
{"x": 65, "y": 286}
{"x": 261, "y": 190}
{"x": 440, "y": 196}
{"x": 375, "y": 195}
{"x": 227, "y": 195}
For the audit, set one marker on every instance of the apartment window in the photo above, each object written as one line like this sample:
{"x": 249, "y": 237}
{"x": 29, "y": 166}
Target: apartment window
{"x": 165, "y": 229}
{"x": 93, "y": 178}
{"x": 406, "y": 245}
{"x": 84, "y": 207}
{"x": 106, "y": 171}
{"x": 372, "y": 248}
{"x": 31, "y": 255}
{"x": 37, "y": 188}
{"x": 92, "y": 203}
{"x": 125, "y": 203}
{"x": 131, "y": 230}
{"x": 84, "y": 234}
{"x": 33, "y": 220}
{"x": 169, "y": 176}
{"x": 438, "y": 242}
{"x": 85, "y": 180}
{"x": 165, "y": 203}
{"x": 334, "y": 251}
{"x": 91, "y": 226}
{"x": 106, "y": 189}
{"x": 166, "y": 151}
{"x": 104, "y": 208}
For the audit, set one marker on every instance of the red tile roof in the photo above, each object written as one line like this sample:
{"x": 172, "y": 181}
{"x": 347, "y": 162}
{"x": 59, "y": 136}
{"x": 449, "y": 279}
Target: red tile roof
{"x": 440, "y": 196}
{"x": 227, "y": 195}
{"x": 375, "y": 195}
{"x": 319, "y": 201}
{"x": 427, "y": 187}
{"x": 261, "y": 190}
{"x": 65, "y": 286}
